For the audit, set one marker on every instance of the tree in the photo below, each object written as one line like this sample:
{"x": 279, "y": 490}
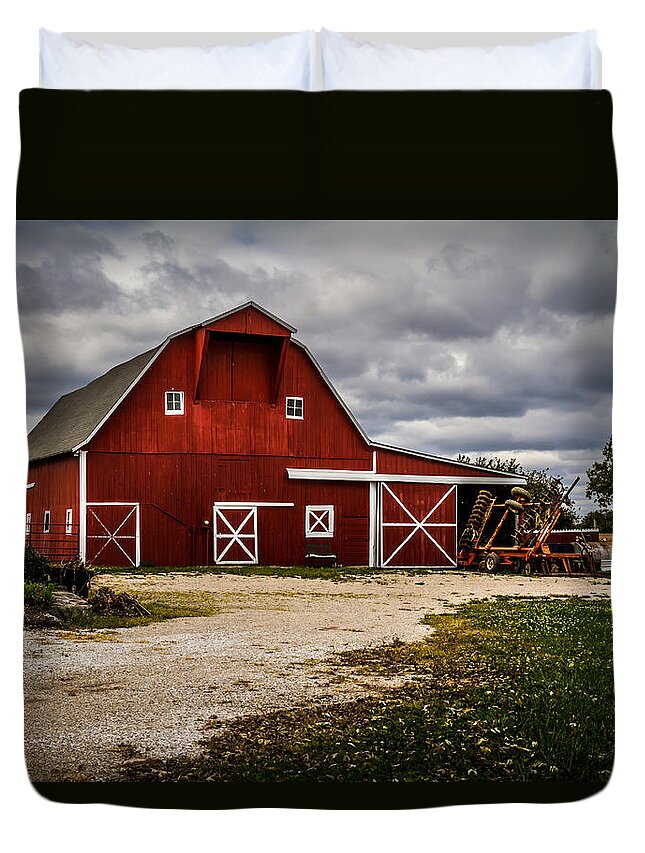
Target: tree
{"x": 542, "y": 486}
{"x": 603, "y": 519}
{"x": 600, "y": 479}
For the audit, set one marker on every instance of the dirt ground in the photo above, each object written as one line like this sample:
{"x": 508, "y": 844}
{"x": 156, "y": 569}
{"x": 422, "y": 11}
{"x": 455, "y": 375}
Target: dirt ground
{"x": 95, "y": 700}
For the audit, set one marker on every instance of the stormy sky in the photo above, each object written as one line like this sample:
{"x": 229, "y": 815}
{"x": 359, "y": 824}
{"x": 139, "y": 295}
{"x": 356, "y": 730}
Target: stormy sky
{"x": 476, "y": 337}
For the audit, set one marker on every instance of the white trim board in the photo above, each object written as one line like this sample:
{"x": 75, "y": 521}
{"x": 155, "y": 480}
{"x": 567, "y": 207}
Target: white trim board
{"x": 372, "y": 477}
{"x": 249, "y": 504}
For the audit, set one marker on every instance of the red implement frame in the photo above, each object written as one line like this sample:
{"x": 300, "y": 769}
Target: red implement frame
{"x": 533, "y": 555}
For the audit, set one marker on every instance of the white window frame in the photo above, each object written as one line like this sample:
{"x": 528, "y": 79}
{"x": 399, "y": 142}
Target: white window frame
{"x": 173, "y": 411}
{"x": 69, "y": 516}
{"x": 28, "y": 523}
{"x": 315, "y": 525}
{"x": 47, "y": 521}
{"x": 297, "y": 402}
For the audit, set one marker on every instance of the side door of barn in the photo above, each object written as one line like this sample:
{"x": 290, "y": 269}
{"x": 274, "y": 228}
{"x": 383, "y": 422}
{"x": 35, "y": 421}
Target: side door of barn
{"x": 112, "y": 534}
{"x": 235, "y": 534}
{"x": 417, "y": 525}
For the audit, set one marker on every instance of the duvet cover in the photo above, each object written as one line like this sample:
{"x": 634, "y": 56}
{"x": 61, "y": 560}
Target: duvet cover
{"x": 302, "y": 370}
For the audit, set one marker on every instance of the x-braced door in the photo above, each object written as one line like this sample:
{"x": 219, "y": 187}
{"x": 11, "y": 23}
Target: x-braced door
{"x": 112, "y": 535}
{"x": 235, "y": 532}
{"x": 418, "y": 525}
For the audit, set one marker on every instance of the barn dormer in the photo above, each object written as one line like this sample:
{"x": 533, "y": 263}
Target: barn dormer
{"x": 239, "y": 357}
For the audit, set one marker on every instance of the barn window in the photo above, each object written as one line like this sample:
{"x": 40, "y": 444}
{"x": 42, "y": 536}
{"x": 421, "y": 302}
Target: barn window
{"x": 319, "y": 521}
{"x": 47, "y": 517}
{"x": 28, "y": 523}
{"x": 295, "y": 407}
{"x": 68, "y": 520}
{"x": 174, "y": 402}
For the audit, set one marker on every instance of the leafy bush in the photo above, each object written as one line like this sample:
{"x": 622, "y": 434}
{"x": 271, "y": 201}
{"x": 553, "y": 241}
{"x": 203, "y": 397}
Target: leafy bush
{"x": 38, "y": 596}
{"x": 36, "y": 566}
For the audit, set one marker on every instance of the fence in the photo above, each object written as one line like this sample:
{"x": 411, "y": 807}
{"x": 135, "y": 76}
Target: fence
{"x": 59, "y": 543}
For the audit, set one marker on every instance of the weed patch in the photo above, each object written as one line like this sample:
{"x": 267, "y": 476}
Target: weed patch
{"x": 160, "y": 606}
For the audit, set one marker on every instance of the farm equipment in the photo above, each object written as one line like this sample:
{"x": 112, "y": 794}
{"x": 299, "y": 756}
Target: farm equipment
{"x": 530, "y": 551}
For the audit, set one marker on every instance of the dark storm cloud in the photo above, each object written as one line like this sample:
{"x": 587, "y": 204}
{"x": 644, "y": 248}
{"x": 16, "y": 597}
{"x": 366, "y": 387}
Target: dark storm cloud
{"x": 476, "y": 337}
{"x": 63, "y": 284}
{"x": 61, "y": 268}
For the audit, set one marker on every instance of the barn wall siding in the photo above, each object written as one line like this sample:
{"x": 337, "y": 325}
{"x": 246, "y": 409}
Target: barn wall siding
{"x": 400, "y": 462}
{"x": 139, "y": 424}
{"x": 176, "y": 493}
{"x": 56, "y": 489}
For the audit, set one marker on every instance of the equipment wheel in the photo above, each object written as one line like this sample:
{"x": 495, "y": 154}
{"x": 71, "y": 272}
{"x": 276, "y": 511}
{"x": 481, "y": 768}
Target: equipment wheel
{"x": 514, "y": 506}
{"x": 491, "y": 562}
{"x": 482, "y": 565}
{"x": 519, "y": 492}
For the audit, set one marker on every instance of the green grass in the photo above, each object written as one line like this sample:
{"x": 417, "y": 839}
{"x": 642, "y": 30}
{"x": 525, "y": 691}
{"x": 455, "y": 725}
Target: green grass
{"x": 506, "y": 690}
{"x": 38, "y": 596}
{"x": 162, "y": 606}
{"x": 336, "y": 573}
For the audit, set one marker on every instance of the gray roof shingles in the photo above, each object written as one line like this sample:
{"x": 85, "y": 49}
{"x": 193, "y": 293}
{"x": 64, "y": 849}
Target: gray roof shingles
{"x": 76, "y": 415}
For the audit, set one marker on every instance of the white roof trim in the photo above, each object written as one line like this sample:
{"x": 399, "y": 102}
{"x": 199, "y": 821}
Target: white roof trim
{"x": 116, "y": 405}
{"x": 447, "y": 460}
{"x": 328, "y": 382}
{"x": 378, "y": 445}
{"x": 372, "y": 477}
{"x": 249, "y": 304}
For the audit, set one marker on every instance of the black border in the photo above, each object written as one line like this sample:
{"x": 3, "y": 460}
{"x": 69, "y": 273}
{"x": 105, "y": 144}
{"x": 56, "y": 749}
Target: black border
{"x": 329, "y": 155}
{"x": 218, "y": 796}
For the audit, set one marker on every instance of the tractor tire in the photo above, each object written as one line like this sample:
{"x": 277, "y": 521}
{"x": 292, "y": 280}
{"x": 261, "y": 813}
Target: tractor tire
{"x": 491, "y": 562}
{"x": 514, "y": 506}
{"x": 519, "y": 492}
{"x": 482, "y": 565}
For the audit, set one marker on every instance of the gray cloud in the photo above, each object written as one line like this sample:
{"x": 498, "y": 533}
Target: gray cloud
{"x": 477, "y": 337}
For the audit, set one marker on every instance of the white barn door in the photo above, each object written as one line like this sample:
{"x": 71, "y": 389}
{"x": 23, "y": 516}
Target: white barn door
{"x": 235, "y": 534}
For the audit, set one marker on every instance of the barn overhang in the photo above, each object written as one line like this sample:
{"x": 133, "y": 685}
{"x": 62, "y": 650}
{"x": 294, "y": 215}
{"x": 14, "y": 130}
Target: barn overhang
{"x": 348, "y": 475}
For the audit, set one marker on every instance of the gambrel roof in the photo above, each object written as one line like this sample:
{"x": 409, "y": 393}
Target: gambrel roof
{"x": 78, "y": 414}
{"x": 76, "y": 417}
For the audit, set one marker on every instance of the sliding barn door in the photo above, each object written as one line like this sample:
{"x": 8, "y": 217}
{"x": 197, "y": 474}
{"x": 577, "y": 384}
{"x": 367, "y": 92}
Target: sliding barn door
{"x": 418, "y": 525}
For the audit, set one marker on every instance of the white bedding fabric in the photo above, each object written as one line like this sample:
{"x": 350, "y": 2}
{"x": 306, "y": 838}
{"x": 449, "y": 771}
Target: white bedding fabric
{"x": 291, "y": 62}
{"x": 566, "y": 62}
{"x": 286, "y": 62}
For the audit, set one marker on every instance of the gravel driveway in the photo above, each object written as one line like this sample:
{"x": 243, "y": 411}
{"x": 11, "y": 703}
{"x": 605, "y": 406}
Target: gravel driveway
{"x": 91, "y": 704}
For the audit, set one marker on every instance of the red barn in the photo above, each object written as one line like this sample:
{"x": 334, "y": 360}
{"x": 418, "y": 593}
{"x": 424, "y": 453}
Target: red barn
{"x": 227, "y": 444}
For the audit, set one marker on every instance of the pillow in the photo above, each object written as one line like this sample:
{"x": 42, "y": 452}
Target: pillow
{"x": 566, "y": 62}
{"x": 286, "y": 62}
